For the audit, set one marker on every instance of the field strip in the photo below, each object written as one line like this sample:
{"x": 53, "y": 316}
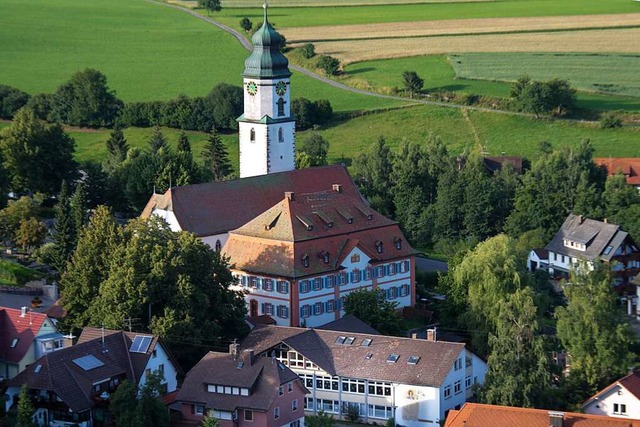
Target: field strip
{"x": 601, "y": 41}
{"x": 341, "y": 3}
{"x": 457, "y": 27}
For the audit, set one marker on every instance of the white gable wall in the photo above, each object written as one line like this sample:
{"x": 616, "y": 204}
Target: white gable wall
{"x": 604, "y": 404}
{"x": 169, "y": 218}
{"x": 170, "y": 373}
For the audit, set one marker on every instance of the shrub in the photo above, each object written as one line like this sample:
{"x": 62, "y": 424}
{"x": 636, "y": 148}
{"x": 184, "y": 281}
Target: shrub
{"x": 328, "y": 64}
{"x": 412, "y": 82}
{"x": 470, "y": 99}
{"x": 352, "y": 412}
{"x": 11, "y": 100}
{"x": 610, "y": 121}
{"x": 246, "y": 24}
{"x": 308, "y": 50}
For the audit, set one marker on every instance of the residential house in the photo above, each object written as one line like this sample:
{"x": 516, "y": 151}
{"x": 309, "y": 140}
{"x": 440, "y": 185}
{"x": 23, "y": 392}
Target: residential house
{"x": 242, "y": 390}
{"x": 72, "y": 386}
{"x": 25, "y": 336}
{"x": 588, "y": 240}
{"x": 628, "y": 166}
{"x": 299, "y": 240}
{"x": 494, "y": 164}
{"x": 620, "y": 399}
{"x": 477, "y": 415}
{"x": 378, "y": 377}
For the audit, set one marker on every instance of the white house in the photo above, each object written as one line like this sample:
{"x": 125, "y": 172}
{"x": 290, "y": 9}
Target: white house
{"x": 620, "y": 399}
{"x": 378, "y": 377}
{"x": 72, "y": 386}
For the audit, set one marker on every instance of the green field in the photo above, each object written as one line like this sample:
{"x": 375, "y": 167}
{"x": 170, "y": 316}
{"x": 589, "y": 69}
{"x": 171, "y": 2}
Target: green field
{"x": 615, "y": 73}
{"x": 304, "y": 17}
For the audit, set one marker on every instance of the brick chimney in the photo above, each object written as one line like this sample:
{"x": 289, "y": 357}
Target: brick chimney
{"x": 337, "y": 188}
{"x": 289, "y": 195}
{"x": 432, "y": 334}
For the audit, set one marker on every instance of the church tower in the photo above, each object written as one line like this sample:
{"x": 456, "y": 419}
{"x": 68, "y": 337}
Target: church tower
{"x": 267, "y": 127}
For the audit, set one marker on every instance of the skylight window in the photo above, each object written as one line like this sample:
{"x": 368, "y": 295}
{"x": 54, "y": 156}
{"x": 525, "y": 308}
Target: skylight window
{"x": 38, "y": 369}
{"x": 240, "y": 365}
{"x": 140, "y": 344}
{"x": 368, "y": 356}
{"x": 340, "y": 340}
{"x": 413, "y": 360}
{"x": 393, "y": 358}
{"x": 349, "y": 340}
{"x": 88, "y": 362}
{"x": 608, "y": 250}
{"x": 14, "y": 343}
{"x": 366, "y": 342}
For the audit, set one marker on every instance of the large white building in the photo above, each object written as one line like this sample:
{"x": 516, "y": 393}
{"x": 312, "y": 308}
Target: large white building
{"x": 378, "y": 377}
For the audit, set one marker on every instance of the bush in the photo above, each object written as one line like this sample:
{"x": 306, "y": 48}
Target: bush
{"x": 309, "y": 113}
{"x": 470, "y": 99}
{"x": 246, "y": 24}
{"x": 610, "y": 121}
{"x": 328, "y": 64}
{"x": 11, "y": 100}
{"x": 412, "y": 82}
{"x": 352, "y": 412}
{"x": 308, "y": 50}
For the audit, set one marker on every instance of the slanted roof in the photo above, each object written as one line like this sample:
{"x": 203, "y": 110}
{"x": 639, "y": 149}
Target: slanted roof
{"x": 349, "y": 323}
{"x": 629, "y": 166}
{"x": 62, "y": 371}
{"x": 56, "y": 311}
{"x": 25, "y": 328}
{"x": 217, "y": 207}
{"x": 323, "y": 226}
{"x": 262, "y": 376}
{"x": 494, "y": 164}
{"x": 596, "y": 235}
{"x": 362, "y": 358}
{"x": 479, "y": 415}
{"x": 631, "y": 382}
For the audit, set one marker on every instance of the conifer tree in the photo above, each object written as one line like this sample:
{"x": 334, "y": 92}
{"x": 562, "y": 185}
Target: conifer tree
{"x": 117, "y": 145}
{"x": 184, "y": 146}
{"x": 216, "y": 159}
{"x": 157, "y": 140}
{"x": 78, "y": 205}
{"x": 25, "y": 408}
{"x": 63, "y": 233}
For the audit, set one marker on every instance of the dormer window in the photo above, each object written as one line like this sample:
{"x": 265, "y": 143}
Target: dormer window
{"x": 379, "y": 247}
{"x": 14, "y": 342}
{"x": 305, "y": 260}
{"x": 398, "y": 243}
{"x": 325, "y": 257}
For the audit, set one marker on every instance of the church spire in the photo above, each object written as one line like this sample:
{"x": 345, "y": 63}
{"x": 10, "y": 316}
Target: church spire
{"x": 266, "y": 60}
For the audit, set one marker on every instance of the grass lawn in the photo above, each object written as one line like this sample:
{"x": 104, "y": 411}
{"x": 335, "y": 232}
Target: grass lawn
{"x": 303, "y": 17}
{"x": 584, "y": 71}
{"x": 14, "y": 274}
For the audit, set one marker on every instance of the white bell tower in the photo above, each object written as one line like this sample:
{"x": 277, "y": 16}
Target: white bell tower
{"x": 267, "y": 127}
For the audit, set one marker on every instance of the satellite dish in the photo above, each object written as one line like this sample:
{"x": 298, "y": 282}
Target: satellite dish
{"x": 104, "y": 395}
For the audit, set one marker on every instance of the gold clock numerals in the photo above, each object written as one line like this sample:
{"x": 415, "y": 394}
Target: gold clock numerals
{"x": 252, "y": 88}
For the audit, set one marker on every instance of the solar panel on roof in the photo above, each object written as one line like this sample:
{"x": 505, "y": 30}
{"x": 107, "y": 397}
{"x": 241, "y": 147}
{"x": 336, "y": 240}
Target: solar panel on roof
{"x": 140, "y": 344}
{"x": 88, "y": 362}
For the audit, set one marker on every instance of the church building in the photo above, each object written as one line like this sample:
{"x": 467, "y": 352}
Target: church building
{"x": 298, "y": 240}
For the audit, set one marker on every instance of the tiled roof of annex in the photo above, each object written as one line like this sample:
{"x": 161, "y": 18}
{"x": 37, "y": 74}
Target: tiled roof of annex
{"x": 14, "y": 326}
{"x": 362, "y": 355}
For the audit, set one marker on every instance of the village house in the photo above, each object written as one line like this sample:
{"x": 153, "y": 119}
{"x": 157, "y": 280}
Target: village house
{"x": 371, "y": 376}
{"x": 620, "y": 399}
{"x": 241, "y": 390}
{"x": 25, "y": 336}
{"x": 298, "y": 241}
{"x": 628, "y": 166}
{"x": 72, "y": 386}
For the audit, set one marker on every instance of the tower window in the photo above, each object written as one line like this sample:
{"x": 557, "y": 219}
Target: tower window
{"x": 281, "y": 103}
{"x": 280, "y": 135}
{"x": 252, "y": 135}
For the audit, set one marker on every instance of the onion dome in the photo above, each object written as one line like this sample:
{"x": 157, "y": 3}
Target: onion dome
{"x": 266, "y": 60}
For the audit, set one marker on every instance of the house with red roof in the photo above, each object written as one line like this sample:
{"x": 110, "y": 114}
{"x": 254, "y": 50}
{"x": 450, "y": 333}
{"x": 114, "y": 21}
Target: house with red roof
{"x": 628, "y": 166}
{"x": 242, "y": 390}
{"x": 25, "y": 336}
{"x": 620, "y": 399}
{"x": 299, "y": 241}
{"x": 478, "y": 415}
{"x": 72, "y": 386}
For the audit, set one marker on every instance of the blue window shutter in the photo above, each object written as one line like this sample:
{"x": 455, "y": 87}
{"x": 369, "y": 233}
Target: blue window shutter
{"x": 263, "y": 306}
{"x": 374, "y": 273}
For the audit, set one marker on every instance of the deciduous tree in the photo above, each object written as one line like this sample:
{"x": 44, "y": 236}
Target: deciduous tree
{"x": 246, "y": 24}
{"x": 373, "y": 308}
{"x": 30, "y": 234}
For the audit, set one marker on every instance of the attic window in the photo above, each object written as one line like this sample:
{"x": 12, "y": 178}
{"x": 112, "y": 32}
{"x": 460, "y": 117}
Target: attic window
{"x": 368, "y": 356}
{"x": 340, "y": 340}
{"x": 240, "y": 365}
{"x": 305, "y": 260}
{"x": 349, "y": 340}
{"x": 366, "y": 342}
{"x": 38, "y": 369}
{"x": 413, "y": 360}
{"x": 393, "y": 358}
{"x": 398, "y": 243}
{"x": 325, "y": 257}
{"x": 14, "y": 343}
{"x": 608, "y": 250}
{"x": 379, "y": 247}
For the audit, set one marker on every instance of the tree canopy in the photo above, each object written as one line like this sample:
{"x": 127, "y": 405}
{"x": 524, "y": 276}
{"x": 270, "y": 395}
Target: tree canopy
{"x": 373, "y": 308}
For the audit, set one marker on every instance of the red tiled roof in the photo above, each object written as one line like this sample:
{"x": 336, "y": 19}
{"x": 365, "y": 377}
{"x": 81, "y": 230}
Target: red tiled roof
{"x": 478, "y": 415}
{"x": 12, "y": 326}
{"x": 217, "y": 207}
{"x": 56, "y": 311}
{"x": 632, "y": 383}
{"x": 629, "y": 166}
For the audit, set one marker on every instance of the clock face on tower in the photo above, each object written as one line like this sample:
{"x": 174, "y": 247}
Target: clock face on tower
{"x": 252, "y": 88}
{"x": 281, "y": 88}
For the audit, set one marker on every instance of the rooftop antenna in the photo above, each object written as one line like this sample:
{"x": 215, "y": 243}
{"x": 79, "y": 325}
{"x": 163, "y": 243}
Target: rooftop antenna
{"x": 104, "y": 348}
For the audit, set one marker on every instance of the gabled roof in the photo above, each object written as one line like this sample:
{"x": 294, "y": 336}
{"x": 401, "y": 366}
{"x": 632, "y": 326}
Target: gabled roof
{"x": 217, "y": 207}
{"x": 494, "y": 164}
{"x": 478, "y": 415}
{"x": 13, "y": 325}
{"x": 362, "y": 358}
{"x": 629, "y": 166}
{"x": 596, "y": 235}
{"x": 60, "y": 372}
{"x": 323, "y": 227}
{"x": 262, "y": 376}
{"x": 631, "y": 382}
{"x": 349, "y": 323}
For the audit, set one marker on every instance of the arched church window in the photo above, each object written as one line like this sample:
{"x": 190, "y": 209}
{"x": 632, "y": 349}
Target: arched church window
{"x": 281, "y": 103}
{"x": 252, "y": 135}
{"x": 218, "y": 245}
{"x": 280, "y": 135}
